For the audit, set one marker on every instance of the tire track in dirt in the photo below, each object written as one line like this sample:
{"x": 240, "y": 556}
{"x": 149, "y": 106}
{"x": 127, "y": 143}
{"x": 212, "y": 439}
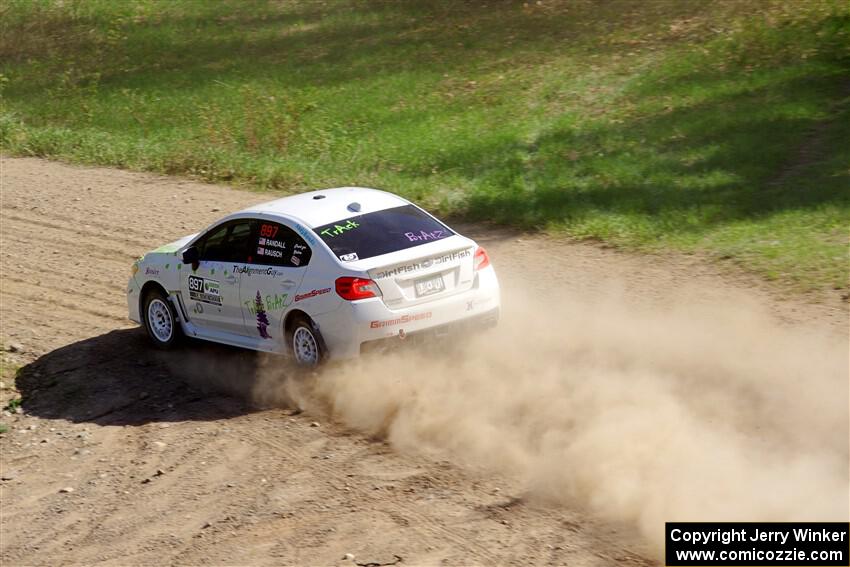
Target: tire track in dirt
{"x": 176, "y": 483}
{"x": 424, "y": 524}
{"x": 77, "y": 227}
{"x": 73, "y": 533}
{"x": 76, "y": 223}
{"x": 72, "y": 307}
{"x": 86, "y": 299}
{"x": 49, "y": 318}
{"x": 77, "y": 247}
{"x": 91, "y": 291}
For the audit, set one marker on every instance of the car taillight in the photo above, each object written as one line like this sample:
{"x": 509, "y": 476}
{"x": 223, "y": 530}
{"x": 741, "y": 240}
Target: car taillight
{"x": 481, "y": 259}
{"x": 356, "y": 288}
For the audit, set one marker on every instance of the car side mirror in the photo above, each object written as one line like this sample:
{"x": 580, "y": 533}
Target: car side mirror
{"x": 191, "y": 256}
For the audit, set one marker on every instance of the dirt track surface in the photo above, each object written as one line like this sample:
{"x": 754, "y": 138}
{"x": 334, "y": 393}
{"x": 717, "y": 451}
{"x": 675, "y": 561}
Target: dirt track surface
{"x": 166, "y": 468}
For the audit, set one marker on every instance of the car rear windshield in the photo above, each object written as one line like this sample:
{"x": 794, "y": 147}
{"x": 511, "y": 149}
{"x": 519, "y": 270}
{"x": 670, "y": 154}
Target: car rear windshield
{"x": 381, "y": 232}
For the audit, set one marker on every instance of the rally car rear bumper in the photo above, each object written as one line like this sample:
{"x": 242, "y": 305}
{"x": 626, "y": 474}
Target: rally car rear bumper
{"x": 361, "y": 325}
{"x": 432, "y": 335}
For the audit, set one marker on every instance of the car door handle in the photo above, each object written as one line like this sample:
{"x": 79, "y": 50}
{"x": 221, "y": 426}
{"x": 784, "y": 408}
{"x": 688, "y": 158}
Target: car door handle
{"x": 287, "y": 283}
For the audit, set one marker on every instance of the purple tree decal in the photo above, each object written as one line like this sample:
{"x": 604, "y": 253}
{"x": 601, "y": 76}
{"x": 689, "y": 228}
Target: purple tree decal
{"x": 262, "y": 319}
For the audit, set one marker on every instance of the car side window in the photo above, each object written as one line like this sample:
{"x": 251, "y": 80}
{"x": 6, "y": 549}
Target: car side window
{"x": 278, "y": 245}
{"x": 230, "y": 242}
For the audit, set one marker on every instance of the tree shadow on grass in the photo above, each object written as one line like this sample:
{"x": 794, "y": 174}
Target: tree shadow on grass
{"x": 685, "y": 170}
{"x": 119, "y": 379}
{"x": 313, "y": 44}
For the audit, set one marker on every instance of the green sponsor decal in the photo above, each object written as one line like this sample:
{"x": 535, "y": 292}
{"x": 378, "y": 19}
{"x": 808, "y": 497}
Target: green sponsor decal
{"x": 273, "y": 302}
{"x": 167, "y": 248}
{"x": 338, "y": 229}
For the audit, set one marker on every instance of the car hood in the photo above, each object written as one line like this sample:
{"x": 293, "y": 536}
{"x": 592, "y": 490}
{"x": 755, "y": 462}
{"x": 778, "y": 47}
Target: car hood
{"x": 172, "y": 247}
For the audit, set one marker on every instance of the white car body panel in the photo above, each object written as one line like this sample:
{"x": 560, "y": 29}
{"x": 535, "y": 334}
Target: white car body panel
{"x": 221, "y": 308}
{"x": 247, "y": 304}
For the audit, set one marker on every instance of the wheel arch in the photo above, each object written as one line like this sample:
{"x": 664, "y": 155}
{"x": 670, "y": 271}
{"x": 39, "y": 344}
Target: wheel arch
{"x": 289, "y": 323}
{"x": 147, "y": 288}
{"x": 291, "y": 317}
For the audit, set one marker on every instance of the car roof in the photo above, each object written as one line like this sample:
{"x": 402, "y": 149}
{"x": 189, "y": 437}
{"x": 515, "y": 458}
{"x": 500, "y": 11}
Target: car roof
{"x": 317, "y": 208}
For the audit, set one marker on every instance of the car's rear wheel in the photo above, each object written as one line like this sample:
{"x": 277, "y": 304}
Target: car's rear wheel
{"x": 306, "y": 343}
{"x": 160, "y": 320}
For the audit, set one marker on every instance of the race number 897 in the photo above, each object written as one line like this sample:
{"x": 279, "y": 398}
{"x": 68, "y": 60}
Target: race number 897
{"x": 268, "y": 230}
{"x": 196, "y": 284}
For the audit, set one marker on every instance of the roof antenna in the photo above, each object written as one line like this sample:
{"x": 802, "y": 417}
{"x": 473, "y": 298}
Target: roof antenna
{"x": 317, "y": 197}
{"x": 354, "y": 207}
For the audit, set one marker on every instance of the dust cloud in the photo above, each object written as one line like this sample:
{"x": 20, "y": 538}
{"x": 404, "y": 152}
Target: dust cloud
{"x": 642, "y": 414}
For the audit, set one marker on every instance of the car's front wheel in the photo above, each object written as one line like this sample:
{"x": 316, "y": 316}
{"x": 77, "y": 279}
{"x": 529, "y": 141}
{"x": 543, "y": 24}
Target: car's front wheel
{"x": 306, "y": 343}
{"x": 160, "y": 320}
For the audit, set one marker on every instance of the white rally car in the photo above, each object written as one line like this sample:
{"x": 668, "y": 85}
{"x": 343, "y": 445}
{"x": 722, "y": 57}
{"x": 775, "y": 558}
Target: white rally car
{"x": 319, "y": 275}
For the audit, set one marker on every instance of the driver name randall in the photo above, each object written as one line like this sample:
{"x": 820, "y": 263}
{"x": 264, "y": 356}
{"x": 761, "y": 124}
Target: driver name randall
{"x": 779, "y": 536}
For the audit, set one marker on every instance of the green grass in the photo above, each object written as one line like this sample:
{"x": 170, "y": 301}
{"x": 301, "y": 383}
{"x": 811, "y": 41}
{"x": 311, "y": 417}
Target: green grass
{"x": 718, "y": 127}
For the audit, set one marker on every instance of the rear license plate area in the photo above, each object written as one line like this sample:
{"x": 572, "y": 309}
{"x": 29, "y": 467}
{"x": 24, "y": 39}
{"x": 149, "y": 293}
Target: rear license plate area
{"x": 429, "y": 286}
